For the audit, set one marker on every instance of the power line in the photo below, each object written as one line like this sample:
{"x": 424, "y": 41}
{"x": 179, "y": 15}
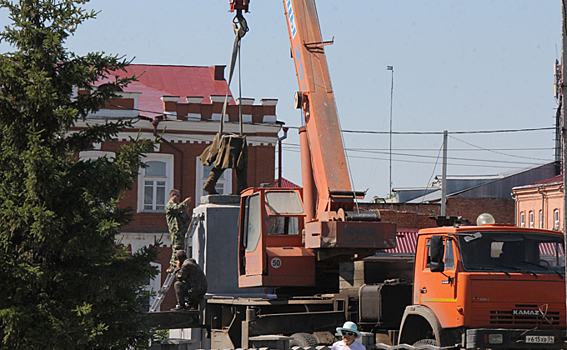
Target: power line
{"x": 493, "y": 151}
{"x": 450, "y": 132}
{"x": 468, "y": 159}
{"x": 479, "y": 149}
{"x": 450, "y": 163}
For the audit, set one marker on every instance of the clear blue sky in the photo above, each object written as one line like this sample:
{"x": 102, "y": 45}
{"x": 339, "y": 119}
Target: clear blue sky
{"x": 458, "y": 66}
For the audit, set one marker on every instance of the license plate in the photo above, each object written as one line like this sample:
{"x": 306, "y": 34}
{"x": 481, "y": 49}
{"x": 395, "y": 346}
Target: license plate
{"x": 540, "y": 339}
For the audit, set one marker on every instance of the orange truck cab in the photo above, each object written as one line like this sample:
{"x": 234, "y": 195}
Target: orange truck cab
{"x": 491, "y": 286}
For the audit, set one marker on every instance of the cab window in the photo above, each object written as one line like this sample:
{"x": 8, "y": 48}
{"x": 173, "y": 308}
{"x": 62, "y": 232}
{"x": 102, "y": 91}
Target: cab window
{"x": 282, "y": 225}
{"x": 448, "y": 257}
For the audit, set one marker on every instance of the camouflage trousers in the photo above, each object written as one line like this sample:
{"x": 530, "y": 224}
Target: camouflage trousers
{"x": 177, "y": 243}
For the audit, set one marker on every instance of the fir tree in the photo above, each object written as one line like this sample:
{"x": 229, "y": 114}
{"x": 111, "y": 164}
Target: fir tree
{"x": 63, "y": 282}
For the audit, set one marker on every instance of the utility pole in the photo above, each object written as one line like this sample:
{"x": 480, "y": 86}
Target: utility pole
{"x": 444, "y": 180}
{"x": 391, "y": 106}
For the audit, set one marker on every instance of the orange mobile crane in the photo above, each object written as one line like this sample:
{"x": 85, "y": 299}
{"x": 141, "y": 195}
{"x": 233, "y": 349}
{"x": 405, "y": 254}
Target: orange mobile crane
{"x": 476, "y": 287}
{"x": 274, "y": 252}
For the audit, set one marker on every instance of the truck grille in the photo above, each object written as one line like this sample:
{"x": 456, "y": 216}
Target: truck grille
{"x": 524, "y": 315}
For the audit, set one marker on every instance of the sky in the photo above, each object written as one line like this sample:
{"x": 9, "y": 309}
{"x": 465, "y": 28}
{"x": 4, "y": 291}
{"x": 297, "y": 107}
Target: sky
{"x": 460, "y": 66}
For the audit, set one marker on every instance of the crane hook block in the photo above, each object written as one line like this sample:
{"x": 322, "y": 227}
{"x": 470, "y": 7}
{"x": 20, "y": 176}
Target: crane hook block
{"x": 239, "y": 5}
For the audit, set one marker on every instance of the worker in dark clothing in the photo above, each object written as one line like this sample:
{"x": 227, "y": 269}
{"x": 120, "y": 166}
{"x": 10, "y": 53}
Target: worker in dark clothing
{"x": 191, "y": 284}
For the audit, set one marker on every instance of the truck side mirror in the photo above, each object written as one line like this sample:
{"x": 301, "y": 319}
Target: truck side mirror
{"x": 436, "y": 253}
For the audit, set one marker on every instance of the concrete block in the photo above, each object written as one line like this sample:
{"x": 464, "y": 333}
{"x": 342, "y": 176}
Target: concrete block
{"x": 214, "y": 244}
{"x": 368, "y": 340}
{"x": 270, "y": 342}
{"x": 177, "y": 344}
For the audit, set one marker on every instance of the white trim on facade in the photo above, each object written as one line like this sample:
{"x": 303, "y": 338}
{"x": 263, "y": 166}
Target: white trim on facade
{"x": 176, "y": 127}
{"x": 96, "y": 154}
{"x": 119, "y": 113}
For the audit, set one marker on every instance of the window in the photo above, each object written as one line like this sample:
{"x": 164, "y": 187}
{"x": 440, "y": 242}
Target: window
{"x": 223, "y": 186}
{"x": 502, "y": 252}
{"x": 556, "y": 219}
{"x": 154, "y": 183}
{"x": 284, "y": 202}
{"x": 531, "y": 219}
{"x": 282, "y": 225}
{"x": 541, "y": 219}
{"x": 522, "y": 219}
{"x": 253, "y": 222}
{"x": 449, "y": 256}
{"x": 154, "y": 186}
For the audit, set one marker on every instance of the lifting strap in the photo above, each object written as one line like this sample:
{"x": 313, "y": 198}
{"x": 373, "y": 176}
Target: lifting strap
{"x": 240, "y": 29}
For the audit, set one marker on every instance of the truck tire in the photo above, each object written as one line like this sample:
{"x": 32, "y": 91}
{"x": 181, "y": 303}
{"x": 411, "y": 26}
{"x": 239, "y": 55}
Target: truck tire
{"x": 425, "y": 342}
{"x": 303, "y": 340}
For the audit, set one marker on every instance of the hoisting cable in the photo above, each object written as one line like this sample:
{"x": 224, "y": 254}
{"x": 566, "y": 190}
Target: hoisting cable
{"x": 239, "y": 92}
{"x": 348, "y": 165}
{"x": 240, "y": 29}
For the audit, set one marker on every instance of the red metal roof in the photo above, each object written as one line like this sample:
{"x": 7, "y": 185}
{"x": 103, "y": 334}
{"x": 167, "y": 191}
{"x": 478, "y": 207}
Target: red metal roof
{"x": 155, "y": 81}
{"x": 285, "y": 183}
{"x": 551, "y": 180}
{"x": 406, "y": 242}
{"x": 558, "y": 179}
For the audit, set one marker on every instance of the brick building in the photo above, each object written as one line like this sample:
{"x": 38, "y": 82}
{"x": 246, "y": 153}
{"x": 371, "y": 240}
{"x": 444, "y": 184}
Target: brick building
{"x": 540, "y": 204}
{"x": 184, "y": 106}
{"x": 417, "y": 216}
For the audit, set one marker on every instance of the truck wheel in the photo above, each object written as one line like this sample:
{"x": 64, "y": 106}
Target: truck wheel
{"x": 303, "y": 340}
{"x": 425, "y": 342}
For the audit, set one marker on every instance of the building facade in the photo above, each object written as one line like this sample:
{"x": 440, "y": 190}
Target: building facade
{"x": 183, "y": 107}
{"x": 540, "y": 204}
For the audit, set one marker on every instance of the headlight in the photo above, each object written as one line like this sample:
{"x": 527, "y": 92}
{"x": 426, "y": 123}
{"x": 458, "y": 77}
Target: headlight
{"x": 495, "y": 339}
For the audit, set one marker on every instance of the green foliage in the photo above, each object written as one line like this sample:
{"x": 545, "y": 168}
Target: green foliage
{"x": 64, "y": 283}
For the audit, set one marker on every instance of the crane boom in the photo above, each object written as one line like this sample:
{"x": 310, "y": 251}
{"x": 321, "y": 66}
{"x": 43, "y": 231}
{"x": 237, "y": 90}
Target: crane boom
{"x": 295, "y": 237}
{"x": 325, "y": 146}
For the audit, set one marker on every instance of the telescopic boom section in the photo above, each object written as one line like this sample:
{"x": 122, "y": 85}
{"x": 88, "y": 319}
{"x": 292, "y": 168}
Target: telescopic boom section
{"x": 325, "y": 145}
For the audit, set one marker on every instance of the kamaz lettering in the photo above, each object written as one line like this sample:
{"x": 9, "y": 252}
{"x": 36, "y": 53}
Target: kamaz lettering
{"x": 526, "y": 312}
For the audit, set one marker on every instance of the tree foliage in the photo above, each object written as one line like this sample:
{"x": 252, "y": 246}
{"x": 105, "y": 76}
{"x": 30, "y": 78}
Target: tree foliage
{"x": 64, "y": 284}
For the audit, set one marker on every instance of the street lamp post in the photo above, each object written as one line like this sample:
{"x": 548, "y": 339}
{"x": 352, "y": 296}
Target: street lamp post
{"x": 391, "y": 106}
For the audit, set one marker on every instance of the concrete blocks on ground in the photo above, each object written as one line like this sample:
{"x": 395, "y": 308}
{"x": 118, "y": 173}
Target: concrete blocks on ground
{"x": 292, "y": 348}
{"x": 278, "y": 342}
{"x": 174, "y": 344}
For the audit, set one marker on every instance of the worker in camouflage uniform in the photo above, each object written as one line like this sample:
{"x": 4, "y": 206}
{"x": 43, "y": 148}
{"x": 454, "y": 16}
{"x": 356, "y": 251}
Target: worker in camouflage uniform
{"x": 177, "y": 223}
{"x": 191, "y": 284}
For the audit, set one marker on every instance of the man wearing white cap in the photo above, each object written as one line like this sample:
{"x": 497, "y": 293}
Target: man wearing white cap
{"x": 349, "y": 332}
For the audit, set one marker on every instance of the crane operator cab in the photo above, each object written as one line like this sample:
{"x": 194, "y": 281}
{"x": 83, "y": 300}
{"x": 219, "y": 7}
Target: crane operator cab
{"x": 278, "y": 248}
{"x": 271, "y": 251}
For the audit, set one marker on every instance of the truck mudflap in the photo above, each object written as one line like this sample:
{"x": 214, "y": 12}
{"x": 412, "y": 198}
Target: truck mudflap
{"x": 500, "y": 338}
